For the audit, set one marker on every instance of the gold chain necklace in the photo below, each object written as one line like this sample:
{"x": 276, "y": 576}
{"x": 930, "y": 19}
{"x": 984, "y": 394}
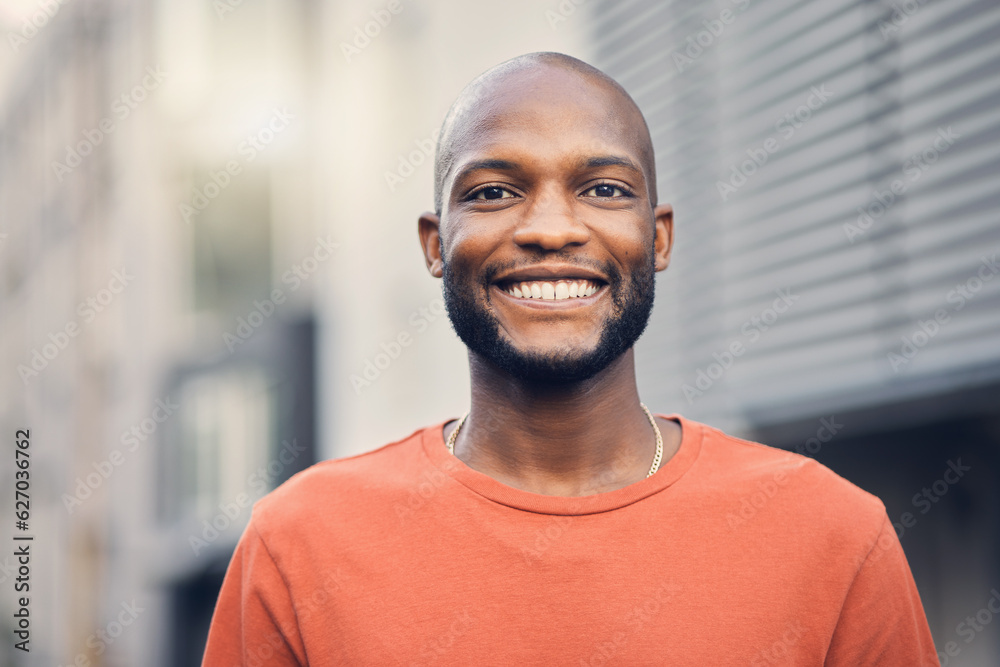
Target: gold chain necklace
{"x": 453, "y": 436}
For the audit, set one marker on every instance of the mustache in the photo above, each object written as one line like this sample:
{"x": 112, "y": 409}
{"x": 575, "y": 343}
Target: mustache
{"x": 493, "y": 269}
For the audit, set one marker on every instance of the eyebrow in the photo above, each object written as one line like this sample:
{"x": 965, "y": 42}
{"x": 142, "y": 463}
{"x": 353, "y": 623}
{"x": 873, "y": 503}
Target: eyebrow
{"x": 507, "y": 165}
{"x": 612, "y": 161}
{"x": 476, "y": 165}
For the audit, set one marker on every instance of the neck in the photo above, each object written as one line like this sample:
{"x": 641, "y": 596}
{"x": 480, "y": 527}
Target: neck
{"x": 560, "y": 439}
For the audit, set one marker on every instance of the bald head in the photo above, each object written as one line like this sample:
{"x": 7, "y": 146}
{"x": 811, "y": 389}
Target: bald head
{"x": 479, "y": 103}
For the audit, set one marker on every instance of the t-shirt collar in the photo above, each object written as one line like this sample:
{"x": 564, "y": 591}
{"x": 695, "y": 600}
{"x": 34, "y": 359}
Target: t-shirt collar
{"x": 486, "y": 486}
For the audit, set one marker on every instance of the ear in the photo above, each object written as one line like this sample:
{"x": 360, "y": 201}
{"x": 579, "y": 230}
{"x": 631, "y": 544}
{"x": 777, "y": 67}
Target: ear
{"x": 663, "y": 218}
{"x": 429, "y": 229}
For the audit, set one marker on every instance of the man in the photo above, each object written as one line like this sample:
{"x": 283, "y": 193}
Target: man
{"x": 559, "y": 523}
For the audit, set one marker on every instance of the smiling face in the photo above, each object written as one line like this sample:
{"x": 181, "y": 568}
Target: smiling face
{"x": 547, "y": 239}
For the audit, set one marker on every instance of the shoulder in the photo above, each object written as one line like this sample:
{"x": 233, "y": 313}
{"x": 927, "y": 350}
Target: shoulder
{"x": 798, "y": 492}
{"x": 333, "y": 488}
{"x": 741, "y": 461}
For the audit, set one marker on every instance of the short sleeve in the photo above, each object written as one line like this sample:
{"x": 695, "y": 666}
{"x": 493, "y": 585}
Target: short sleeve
{"x": 254, "y": 621}
{"x": 882, "y": 621}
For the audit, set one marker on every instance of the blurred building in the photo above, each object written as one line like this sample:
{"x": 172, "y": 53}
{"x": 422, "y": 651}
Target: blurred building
{"x": 208, "y": 249}
{"x": 160, "y": 256}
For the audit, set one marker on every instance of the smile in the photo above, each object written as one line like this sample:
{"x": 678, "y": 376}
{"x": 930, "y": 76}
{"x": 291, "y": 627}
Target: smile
{"x": 550, "y": 290}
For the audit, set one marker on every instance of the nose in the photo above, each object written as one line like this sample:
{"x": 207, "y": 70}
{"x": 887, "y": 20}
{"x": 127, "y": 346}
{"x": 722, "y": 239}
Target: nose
{"x": 549, "y": 223}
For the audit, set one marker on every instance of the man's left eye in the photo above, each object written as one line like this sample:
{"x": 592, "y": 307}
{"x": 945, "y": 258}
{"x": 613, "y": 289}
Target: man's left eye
{"x": 605, "y": 190}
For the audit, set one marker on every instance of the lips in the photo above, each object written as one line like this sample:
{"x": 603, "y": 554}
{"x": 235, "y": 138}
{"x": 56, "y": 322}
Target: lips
{"x": 550, "y": 282}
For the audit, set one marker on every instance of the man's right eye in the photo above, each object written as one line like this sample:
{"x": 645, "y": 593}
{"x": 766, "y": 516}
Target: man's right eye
{"x": 492, "y": 192}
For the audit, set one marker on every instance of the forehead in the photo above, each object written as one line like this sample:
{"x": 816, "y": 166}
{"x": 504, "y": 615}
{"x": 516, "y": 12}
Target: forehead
{"x": 546, "y": 113}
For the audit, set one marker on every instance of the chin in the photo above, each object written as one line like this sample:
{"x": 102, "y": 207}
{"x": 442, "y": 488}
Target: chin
{"x": 565, "y": 352}
{"x": 562, "y": 365}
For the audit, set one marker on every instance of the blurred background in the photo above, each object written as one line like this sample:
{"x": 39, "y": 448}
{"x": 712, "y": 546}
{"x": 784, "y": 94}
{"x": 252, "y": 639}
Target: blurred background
{"x": 210, "y": 275}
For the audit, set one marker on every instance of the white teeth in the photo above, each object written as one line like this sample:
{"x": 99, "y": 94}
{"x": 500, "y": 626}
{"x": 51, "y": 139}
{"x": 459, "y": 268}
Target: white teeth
{"x": 550, "y": 291}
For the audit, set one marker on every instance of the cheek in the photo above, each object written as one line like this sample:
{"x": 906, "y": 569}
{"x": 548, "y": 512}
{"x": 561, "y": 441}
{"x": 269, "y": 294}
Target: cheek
{"x": 631, "y": 244}
{"x": 471, "y": 247}
{"x": 461, "y": 251}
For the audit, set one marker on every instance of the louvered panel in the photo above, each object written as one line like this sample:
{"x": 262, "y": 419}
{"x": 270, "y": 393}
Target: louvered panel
{"x": 819, "y": 363}
{"x": 924, "y": 58}
{"x": 973, "y": 104}
{"x": 978, "y": 226}
{"x": 832, "y": 130}
{"x": 808, "y": 64}
{"x": 788, "y": 225}
{"x": 964, "y": 340}
{"x": 824, "y": 251}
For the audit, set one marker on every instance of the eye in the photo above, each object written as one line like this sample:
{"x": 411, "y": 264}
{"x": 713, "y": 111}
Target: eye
{"x": 492, "y": 192}
{"x": 607, "y": 191}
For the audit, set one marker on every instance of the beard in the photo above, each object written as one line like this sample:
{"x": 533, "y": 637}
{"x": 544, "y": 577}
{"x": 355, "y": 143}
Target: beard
{"x": 479, "y": 329}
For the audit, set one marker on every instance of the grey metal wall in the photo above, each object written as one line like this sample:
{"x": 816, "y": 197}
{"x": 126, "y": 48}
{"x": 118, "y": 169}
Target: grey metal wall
{"x": 833, "y": 169}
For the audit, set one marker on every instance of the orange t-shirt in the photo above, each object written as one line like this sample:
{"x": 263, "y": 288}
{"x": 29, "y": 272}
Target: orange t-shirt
{"x": 732, "y": 553}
